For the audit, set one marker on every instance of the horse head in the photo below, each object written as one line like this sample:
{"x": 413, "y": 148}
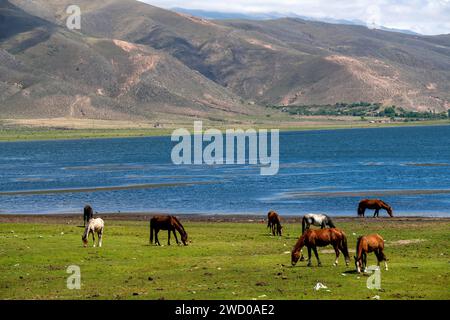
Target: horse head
{"x": 184, "y": 238}
{"x": 295, "y": 256}
{"x": 84, "y": 240}
{"x": 389, "y": 211}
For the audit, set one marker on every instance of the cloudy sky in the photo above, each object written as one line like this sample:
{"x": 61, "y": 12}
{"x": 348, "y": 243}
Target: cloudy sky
{"x": 422, "y": 16}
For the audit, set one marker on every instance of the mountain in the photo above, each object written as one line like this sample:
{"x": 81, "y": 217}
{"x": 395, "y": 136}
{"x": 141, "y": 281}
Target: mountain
{"x": 49, "y": 71}
{"x": 219, "y": 15}
{"x": 132, "y": 61}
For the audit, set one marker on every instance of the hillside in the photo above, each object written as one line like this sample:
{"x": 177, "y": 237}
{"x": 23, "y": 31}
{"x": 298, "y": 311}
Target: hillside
{"x": 131, "y": 61}
{"x": 49, "y": 71}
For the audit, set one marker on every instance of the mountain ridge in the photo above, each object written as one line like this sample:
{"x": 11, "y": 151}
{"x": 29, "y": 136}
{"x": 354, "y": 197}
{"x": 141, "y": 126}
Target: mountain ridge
{"x": 131, "y": 60}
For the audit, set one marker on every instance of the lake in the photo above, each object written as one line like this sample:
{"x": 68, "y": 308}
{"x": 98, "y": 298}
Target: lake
{"x": 325, "y": 171}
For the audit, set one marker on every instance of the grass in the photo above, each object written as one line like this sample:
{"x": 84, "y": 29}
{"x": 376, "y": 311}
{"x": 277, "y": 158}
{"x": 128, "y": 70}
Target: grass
{"x": 22, "y": 133}
{"x": 224, "y": 261}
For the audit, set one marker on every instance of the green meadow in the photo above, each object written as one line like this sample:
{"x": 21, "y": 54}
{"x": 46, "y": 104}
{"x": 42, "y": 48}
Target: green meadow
{"x": 224, "y": 260}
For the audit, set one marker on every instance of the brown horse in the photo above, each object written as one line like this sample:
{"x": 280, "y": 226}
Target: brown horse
{"x": 88, "y": 214}
{"x": 366, "y": 244}
{"x": 273, "y": 222}
{"x": 169, "y": 223}
{"x": 373, "y": 204}
{"x": 313, "y": 238}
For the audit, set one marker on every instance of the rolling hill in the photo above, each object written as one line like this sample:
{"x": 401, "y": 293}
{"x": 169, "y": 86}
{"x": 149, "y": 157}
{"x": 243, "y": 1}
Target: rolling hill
{"x": 135, "y": 61}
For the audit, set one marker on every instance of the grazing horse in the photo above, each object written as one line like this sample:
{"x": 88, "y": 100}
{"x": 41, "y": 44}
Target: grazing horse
{"x": 373, "y": 204}
{"x": 273, "y": 222}
{"x": 320, "y": 220}
{"x": 94, "y": 226}
{"x": 366, "y": 244}
{"x": 313, "y": 238}
{"x": 88, "y": 214}
{"x": 169, "y": 223}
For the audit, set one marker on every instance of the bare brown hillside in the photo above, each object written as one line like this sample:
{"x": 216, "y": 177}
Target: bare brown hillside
{"x": 133, "y": 61}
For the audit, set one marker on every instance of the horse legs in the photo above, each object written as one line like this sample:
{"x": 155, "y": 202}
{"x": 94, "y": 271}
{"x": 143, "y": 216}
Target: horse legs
{"x": 168, "y": 237}
{"x": 341, "y": 248}
{"x": 93, "y": 238}
{"x": 364, "y": 260}
{"x": 156, "y": 237}
{"x": 151, "y": 235}
{"x": 317, "y": 256}
{"x": 176, "y": 238}
{"x": 381, "y": 257}
{"x": 309, "y": 257}
{"x": 336, "y": 249}
{"x": 376, "y": 213}
{"x": 100, "y": 235}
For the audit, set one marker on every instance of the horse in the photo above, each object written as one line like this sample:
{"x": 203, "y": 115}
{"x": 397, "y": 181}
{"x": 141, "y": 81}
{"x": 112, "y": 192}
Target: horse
{"x": 320, "y": 220}
{"x": 313, "y": 238}
{"x": 94, "y": 226}
{"x": 373, "y": 204}
{"x": 366, "y": 244}
{"x": 88, "y": 214}
{"x": 273, "y": 222}
{"x": 169, "y": 223}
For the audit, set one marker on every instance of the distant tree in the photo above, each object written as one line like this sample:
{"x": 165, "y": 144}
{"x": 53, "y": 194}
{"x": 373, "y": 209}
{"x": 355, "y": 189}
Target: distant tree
{"x": 448, "y": 113}
{"x": 389, "y": 111}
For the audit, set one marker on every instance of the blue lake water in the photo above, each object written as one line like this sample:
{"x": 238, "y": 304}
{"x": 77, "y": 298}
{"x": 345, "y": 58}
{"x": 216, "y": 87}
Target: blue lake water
{"x": 320, "y": 171}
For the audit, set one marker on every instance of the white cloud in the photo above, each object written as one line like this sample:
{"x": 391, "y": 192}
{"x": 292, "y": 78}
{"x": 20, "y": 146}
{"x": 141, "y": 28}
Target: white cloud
{"x": 422, "y": 16}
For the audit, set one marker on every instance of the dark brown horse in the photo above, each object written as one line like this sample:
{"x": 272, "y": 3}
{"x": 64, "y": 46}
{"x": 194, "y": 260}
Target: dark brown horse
{"x": 313, "y": 238}
{"x": 88, "y": 214}
{"x": 373, "y": 204}
{"x": 273, "y": 222}
{"x": 169, "y": 223}
{"x": 366, "y": 244}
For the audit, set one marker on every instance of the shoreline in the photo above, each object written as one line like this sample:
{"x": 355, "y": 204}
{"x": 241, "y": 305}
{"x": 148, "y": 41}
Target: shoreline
{"x": 216, "y": 218}
{"x": 26, "y": 134}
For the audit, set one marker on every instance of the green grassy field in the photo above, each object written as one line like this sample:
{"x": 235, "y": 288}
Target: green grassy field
{"x": 223, "y": 261}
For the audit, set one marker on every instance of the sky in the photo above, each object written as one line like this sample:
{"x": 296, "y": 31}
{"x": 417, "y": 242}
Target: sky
{"x": 429, "y": 17}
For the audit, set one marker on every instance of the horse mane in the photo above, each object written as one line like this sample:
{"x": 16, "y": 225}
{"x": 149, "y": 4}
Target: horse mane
{"x": 299, "y": 244}
{"x": 385, "y": 204}
{"x": 179, "y": 226}
{"x": 86, "y": 231}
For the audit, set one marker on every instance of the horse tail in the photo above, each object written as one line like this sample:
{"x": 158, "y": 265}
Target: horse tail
{"x": 151, "y": 231}
{"x": 303, "y": 224}
{"x": 330, "y": 222}
{"x": 345, "y": 246}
